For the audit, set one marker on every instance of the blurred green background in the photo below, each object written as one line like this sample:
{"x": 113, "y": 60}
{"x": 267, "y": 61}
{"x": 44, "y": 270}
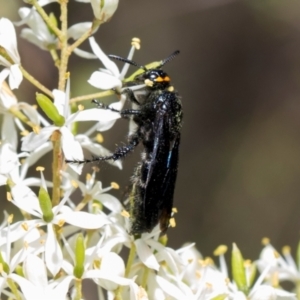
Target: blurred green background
{"x": 239, "y": 77}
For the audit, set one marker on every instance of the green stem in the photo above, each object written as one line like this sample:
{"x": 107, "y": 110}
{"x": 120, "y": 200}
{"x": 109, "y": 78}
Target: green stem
{"x": 55, "y": 57}
{"x": 35, "y": 82}
{"x": 87, "y": 34}
{"x": 14, "y": 288}
{"x": 56, "y": 167}
{"x": 92, "y": 96}
{"x": 18, "y": 114}
{"x": 78, "y": 289}
{"x": 130, "y": 261}
{"x": 298, "y": 289}
{"x": 64, "y": 57}
{"x": 145, "y": 278}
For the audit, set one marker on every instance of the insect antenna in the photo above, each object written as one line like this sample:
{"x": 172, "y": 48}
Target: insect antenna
{"x": 169, "y": 58}
{"x": 125, "y": 60}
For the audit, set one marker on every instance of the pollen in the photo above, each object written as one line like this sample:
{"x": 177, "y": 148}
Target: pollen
{"x": 80, "y": 107}
{"x": 125, "y": 213}
{"x": 40, "y": 168}
{"x": 171, "y": 89}
{"x": 8, "y": 196}
{"x": 247, "y": 263}
{"x": 286, "y": 250}
{"x": 172, "y": 222}
{"x": 136, "y": 43}
{"x": 96, "y": 264}
{"x": 222, "y": 249}
{"x": 265, "y": 241}
{"x": 74, "y": 183}
{"x": 61, "y": 223}
{"x": 10, "y": 218}
{"x": 99, "y": 138}
{"x": 24, "y": 132}
{"x": 88, "y": 177}
{"x": 114, "y": 185}
{"x": 148, "y": 82}
{"x": 174, "y": 210}
{"x": 167, "y": 78}
{"x": 36, "y": 129}
{"x": 25, "y": 226}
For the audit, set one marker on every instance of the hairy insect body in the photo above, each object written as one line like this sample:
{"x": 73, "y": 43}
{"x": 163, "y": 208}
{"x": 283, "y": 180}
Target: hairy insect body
{"x": 157, "y": 114}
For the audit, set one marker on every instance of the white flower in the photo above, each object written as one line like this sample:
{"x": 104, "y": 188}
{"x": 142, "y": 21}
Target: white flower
{"x": 38, "y": 33}
{"x": 282, "y": 267}
{"x": 103, "y": 10}
{"x": 93, "y": 190}
{"x": 70, "y": 146}
{"x": 8, "y": 42}
{"x": 27, "y": 201}
{"x": 110, "y": 77}
{"x": 35, "y": 284}
{"x": 109, "y": 274}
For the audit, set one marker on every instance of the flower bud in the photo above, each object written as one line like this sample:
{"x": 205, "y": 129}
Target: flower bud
{"x": 50, "y": 109}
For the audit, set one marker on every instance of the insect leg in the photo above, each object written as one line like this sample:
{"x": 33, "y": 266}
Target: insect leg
{"x": 131, "y": 96}
{"x": 125, "y": 113}
{"x": 104, "y": 106}
{"x": 119, "y": 153}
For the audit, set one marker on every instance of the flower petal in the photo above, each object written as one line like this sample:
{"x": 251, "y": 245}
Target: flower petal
{"x": 107, "y": 62}
{"x": 53, "y": 253}
{"x": 146, "y": 255}
{"x": 104, "y": 81}
{"x": 82, "y": 219}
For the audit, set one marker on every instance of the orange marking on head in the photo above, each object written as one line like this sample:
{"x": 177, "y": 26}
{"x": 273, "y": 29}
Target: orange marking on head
{"x": 159, "y": 79}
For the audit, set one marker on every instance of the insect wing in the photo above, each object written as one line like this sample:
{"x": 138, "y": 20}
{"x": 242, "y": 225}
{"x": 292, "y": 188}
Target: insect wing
{"x": 160, "y": 175}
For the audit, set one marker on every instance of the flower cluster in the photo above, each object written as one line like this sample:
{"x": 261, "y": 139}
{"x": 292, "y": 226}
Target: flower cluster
{"x": 58, "y": 244}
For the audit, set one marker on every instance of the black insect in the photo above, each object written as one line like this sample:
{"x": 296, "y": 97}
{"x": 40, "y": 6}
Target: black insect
{"x": 159, "y": 120}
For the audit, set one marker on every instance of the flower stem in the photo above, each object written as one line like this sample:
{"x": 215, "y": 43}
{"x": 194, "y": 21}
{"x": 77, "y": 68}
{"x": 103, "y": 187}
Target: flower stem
{"x": 92, "y": 96}
{"x": 145, "y": 278}
{"x": 78, "y": 288}
{"x": 18, "y": 114}
{"x": 35, "y": 82}
{"x": 56, "y": 166}
{"x": 298, "y": 289}
{"x": 64, "y": 57}
{"x": 14, "y": 288}
{"x": 87, "y": 34}
{"x": 130, "y": 261}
